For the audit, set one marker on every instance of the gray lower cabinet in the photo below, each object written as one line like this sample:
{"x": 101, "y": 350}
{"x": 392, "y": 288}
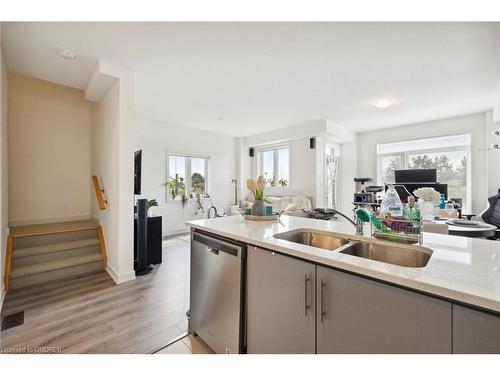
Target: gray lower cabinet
{"x": 294, "y": 306}
{"x": 475, "y": 331}
{"x": 358, "y": 315}
{"x": 280, "y": 303}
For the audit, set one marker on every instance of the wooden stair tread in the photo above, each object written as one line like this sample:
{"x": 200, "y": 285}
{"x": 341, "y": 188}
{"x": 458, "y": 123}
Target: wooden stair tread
{"x": 41, "y": 229}
{"x": 52, "y": 248}
{"x": 54, "y": 265}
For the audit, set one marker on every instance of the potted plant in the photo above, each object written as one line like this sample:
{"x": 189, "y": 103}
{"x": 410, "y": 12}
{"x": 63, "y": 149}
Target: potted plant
{"x": 282, "y": 182}
{"x": 176, "y": 186}
{"x": 257, "y": 189}
{"x": 151, "y": 203}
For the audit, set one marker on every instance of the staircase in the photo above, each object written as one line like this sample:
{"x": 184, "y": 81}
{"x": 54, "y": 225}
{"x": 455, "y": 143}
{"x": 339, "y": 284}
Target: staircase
{"x": 42, "y": 253}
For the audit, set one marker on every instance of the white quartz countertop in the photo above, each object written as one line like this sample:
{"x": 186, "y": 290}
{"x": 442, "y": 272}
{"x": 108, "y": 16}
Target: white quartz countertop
{"x": 460, "y": 268}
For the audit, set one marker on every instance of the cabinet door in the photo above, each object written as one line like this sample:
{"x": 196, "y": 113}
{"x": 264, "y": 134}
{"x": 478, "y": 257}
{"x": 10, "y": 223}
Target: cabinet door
{"x": 280, "y": 303}
{"x": 475, "y": 332}
{"x": 359, "y": 315}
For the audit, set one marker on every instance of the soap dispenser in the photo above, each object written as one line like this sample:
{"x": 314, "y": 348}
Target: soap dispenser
{"x": 391, "y": 205}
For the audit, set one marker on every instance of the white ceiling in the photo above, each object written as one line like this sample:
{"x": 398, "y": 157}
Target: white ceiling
{"x": 245, "y": 78}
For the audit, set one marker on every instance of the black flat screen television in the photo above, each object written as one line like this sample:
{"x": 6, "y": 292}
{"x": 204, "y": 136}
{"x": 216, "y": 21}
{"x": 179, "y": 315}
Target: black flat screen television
{"x": 137, "y": 172}
{"x": 406, "y": 176}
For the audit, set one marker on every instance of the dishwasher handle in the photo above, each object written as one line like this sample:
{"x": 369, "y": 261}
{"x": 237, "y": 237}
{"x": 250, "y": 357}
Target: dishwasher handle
{"x": 215, "y": 245}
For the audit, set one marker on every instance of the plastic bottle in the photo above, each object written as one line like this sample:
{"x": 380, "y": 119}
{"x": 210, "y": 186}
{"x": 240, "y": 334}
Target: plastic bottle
{"x": 391, "y": 204}
{"x": 442, "y": 201}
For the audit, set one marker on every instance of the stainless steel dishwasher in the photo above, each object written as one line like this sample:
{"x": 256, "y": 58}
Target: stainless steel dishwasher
{"x": 217, "y": 313}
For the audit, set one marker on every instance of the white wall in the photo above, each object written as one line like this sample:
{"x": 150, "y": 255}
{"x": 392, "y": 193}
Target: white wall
{"x": 474, "y": 124}
{"x": 156, "y": 139}
{"x": 303, "y": 171}
{"x": 348, "y": 171}
{"x": 4, "y": 168}
{"x": 49, "y": 152}
{"x": 307, "y": 167}
{"x": 112, "y": 163}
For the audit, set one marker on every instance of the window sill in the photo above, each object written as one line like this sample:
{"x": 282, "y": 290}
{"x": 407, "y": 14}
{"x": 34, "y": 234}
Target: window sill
{"x": 169, "y": 200}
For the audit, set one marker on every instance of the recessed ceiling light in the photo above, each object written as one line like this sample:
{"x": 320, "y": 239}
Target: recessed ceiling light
{"x": 66, "y": 54}
{"x": 383, "y": 102}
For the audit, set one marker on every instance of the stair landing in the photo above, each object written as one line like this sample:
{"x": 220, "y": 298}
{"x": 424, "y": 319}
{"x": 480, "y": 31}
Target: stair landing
{"x": 41, "y": 229}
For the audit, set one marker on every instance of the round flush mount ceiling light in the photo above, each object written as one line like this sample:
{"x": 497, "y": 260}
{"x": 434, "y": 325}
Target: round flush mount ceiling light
{"x": 66, "y": 54}
{"x": 382, "y": 102}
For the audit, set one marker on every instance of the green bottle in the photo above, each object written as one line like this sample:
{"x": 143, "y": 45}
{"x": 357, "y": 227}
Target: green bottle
{"x": 410, "y": 212}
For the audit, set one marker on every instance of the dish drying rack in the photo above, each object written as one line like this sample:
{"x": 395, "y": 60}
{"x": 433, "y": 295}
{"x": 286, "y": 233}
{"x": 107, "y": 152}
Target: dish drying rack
{"x": 398, "y": 230}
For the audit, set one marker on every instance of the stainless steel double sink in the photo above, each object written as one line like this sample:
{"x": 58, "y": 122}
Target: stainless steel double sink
{"x": 400, "y": 255}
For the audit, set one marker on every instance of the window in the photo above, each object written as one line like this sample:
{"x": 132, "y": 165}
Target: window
{"x": 274, "y": 164}
{"x": 187, "y": 176}
{"x": 389, "y": 163}
{"x": 331, "y": 178}
{"x": 449, "y": 155}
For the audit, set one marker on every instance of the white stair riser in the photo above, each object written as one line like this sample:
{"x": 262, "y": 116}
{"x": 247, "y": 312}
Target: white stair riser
{"x": 58, "y": 274}
{"x": 48, "y": 257}
{"x": 46, "y": 239}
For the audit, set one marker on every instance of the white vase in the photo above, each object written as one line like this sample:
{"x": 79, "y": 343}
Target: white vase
{"x": 427, "y": 210}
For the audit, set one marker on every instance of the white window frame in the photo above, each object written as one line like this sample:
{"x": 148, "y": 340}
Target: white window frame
{"x": 405, "y": 158}
{"x": 259, "y": 163}
{"x": 187, "y": 182}
{"x": 379, "y": 164}
{"x": 336, "y": 148}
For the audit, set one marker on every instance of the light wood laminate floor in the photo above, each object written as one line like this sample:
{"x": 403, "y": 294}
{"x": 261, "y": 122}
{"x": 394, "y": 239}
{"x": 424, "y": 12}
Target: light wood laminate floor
{"x": 92, "y": 314}
{"x": 187, "y": 345}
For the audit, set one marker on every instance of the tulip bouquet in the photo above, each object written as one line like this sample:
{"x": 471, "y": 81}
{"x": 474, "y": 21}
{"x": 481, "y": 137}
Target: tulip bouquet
{"x": 257, "y": 188}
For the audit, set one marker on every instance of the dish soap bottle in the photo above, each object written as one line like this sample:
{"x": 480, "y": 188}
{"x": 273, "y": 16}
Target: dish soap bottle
{"x": 391, "y": 204}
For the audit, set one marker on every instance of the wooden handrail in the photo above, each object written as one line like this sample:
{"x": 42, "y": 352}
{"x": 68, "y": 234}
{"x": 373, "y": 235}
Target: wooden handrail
{"x": 102, "y": 245}
{"x": 99, "y": 193}
{"x": 8, "y": 262}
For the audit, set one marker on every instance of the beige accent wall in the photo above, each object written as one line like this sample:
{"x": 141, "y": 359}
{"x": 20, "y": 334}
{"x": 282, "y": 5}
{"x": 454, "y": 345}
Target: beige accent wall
{"x": 49, "y": 151}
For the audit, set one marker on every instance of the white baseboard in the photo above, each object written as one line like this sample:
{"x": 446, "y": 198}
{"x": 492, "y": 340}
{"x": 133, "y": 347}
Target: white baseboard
{"x": 48, "y": 220}
{"x": 2, "y": 297}
{"x": 120, "y": 278}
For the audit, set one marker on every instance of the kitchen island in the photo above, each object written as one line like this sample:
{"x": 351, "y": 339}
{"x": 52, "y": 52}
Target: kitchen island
{"x": 298, "y": 298}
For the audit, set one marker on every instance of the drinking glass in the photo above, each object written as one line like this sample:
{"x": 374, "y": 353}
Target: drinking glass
{"x": 449, "y": 208}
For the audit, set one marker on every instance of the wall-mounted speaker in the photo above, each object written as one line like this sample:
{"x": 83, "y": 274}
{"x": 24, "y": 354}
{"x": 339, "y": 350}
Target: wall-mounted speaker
{"x": 312, "y": 143}
{"x": 251, "y": 152}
